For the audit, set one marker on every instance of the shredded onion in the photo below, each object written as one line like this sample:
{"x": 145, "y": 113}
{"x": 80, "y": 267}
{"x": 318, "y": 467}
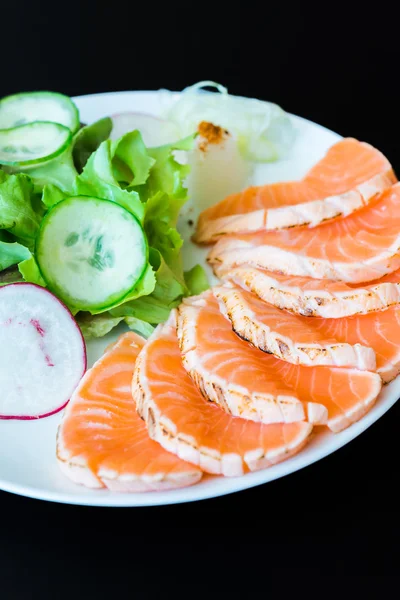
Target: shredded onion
{"x": 263, "y": 130}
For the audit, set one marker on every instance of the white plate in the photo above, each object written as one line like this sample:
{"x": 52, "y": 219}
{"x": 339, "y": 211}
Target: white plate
{"x": 27, "y": 448}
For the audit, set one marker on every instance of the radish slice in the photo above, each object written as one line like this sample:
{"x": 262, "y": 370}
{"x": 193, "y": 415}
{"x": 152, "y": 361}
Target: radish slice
{"x": 42, "y": 352}
{"x": 155, "y": 131}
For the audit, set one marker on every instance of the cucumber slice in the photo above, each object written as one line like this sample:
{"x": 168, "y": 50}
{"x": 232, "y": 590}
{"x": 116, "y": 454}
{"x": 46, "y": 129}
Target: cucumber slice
{"x": 91, "y": 252}
{"x": 33, "y": 143}
{"x": 21, "y": 109}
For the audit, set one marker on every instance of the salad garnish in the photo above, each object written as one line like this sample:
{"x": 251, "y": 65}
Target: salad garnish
{"x": 91, "y": 212}
{"x": 263, "y": 129}
{"x": 63, "y": 214}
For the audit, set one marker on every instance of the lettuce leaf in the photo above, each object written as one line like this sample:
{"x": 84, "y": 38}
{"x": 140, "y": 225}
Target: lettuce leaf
{"x": 30, "y": 271}
{"x": 141, "y": 327}
{"x": 167, "y": 294}
{"x": 162, "y": 235}
{"x": 196, "y": 280}
{"x": 131, "y": 159}
{"x": 59, "y": 172}
{"x": 11, "y": 253}
{"x": 52, "y": 195}
{"x": 168, "y": 174}
{"x": 170, "y": 286}
{"x": 147, "y": 308}
{"x": 11, "y": 275}
{"x": 95, "y": 326}
{"x": 20, "y": 214}
{"x": 88, "y": 139}
{"x": 98, "y": 180}
{"x": 149, "y": 182}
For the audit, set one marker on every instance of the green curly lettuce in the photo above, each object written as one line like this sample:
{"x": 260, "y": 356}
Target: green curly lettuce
{"x": 149, "y": 182}
{"x": 20, "y": 211}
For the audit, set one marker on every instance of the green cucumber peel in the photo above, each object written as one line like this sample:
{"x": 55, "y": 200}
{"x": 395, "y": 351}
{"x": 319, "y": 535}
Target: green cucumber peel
{"x": 33, "y": 144}
{"x": 91, "y": 253}
{"x": 28, "y": 107}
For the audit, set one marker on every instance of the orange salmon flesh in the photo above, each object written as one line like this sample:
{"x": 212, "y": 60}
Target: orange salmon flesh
{"x": 102, "y": 441}
{"x": 349, "y": 177}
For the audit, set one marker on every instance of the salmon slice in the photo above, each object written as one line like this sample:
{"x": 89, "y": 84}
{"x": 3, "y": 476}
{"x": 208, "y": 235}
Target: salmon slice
{"x": 185, "y": 423}
{"x": 102, "y": 441}
{"x": 259, "y": 386}
{"x": 235, "y": 375}
{"x": 317, "y": 297}
{"x": 349, "y": 176}
{"x": 298, "y": 340}
{"x": 366, "y": 342}
{"x": 363, "y": 247}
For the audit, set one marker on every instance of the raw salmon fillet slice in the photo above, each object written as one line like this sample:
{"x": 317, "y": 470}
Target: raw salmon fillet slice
{"x": 316, "y": 297}
{"x": 298, "y": 340}
{"x": 185, "y": 423}
{"x": 349, "y": 176}
{"x": 253, "y": 384}
{"x": 102, "y": 441}
{"x": 363, "y": 247}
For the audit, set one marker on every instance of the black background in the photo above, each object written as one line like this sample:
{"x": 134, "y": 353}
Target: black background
{"x": 337, "y": 517}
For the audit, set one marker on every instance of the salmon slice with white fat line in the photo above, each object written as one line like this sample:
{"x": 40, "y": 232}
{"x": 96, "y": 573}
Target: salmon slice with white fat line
{"x": 363, "y": 247}
{"x": 316, "y": 297}
{"x": 347, "y": 178}
{"x": 366, "y": 342}
{"x": 102, "y": 441}
{"x": 185, "y": 423}
{"x": 296, "y": 339}
{"x": 258, "y": 386}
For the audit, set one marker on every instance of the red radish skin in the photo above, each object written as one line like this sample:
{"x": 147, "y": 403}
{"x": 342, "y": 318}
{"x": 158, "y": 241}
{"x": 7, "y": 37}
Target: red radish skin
{"x": 34, "y": 418}
{"x": 43, "y": 332}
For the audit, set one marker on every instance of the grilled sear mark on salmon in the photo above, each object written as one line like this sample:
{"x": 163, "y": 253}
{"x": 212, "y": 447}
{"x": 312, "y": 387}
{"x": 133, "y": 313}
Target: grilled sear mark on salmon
{"x": 259, "y": 386}
{"x": 296, "y": 339}
{"x": 199, "y": 431}
{"x": 366, "y": 341}
{"x": 317, "y": 297}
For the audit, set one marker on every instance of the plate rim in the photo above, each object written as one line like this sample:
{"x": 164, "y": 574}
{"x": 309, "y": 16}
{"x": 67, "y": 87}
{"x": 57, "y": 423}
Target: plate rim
{"x": 105, "y": 498}
{"x": 194, "y": 493}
